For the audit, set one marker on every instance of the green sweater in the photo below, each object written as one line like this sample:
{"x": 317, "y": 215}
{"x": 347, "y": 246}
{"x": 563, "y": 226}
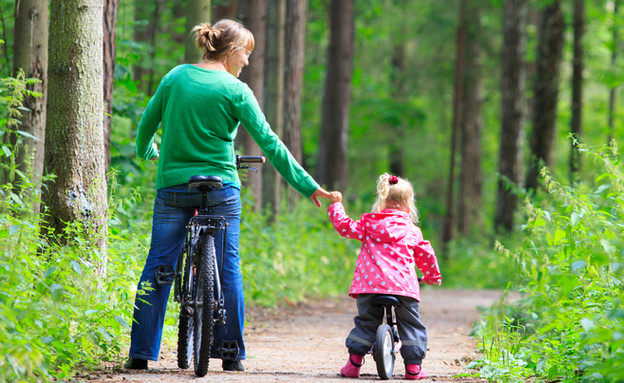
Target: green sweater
{"x": 199, "y": 111}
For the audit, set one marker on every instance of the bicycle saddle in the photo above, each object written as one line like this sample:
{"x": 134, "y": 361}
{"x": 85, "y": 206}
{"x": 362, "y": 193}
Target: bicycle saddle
{"x": 385, "y": 300}
{"x": 205, "y": 183}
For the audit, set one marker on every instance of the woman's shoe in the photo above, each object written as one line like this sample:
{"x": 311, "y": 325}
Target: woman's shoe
{"x": 136, "y": 364}
{"x": 232, "y": 365}
{"x": 352, "y": 368}
{"x": 414, "y": 372}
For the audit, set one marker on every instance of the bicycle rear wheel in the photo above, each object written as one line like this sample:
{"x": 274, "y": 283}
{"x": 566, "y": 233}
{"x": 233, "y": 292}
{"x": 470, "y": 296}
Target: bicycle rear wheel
{"x": 203, "y": 317}
{"x": 384, "y": 351}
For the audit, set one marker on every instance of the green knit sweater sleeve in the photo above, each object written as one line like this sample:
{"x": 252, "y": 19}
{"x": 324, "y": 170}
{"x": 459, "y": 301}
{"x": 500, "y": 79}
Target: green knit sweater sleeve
{"x": 253, "y": 120}
{"x": 148, "y": 125}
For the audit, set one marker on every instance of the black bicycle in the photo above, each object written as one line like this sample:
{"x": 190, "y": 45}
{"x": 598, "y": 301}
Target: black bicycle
{"x": 197, "y": 283}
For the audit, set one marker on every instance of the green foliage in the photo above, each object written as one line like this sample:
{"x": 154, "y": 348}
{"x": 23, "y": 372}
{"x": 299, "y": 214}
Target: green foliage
{"x": 297, "y": 257}
{"x": 569, "y": 323}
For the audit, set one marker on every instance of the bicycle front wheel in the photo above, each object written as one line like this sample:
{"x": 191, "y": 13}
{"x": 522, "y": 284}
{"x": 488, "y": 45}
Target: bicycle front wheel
{"x": 204, "y": 315}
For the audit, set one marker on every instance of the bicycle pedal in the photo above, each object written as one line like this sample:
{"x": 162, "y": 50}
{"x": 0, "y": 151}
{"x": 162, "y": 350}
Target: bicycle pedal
{"x": 229, "y": 350}
{"x": 165, "y": 275}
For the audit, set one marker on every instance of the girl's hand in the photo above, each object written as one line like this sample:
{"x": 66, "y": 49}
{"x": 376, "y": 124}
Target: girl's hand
{"x": 335, "y": 196}
{"x": 319, "y": 193}
{"x": 437, "y": 281}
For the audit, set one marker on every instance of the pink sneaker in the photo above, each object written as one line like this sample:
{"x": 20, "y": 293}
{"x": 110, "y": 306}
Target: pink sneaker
{"x": 352, "y": 368}
{"x": 414, "y": 372}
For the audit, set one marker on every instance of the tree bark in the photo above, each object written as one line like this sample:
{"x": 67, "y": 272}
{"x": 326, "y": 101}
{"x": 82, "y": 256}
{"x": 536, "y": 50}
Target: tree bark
{"x": 546, "y": 91}
{"x": 398, "y": 132}
{"x": 228, "y": 10}
{"x": 448, "y": 231}
{"x": 252, "y": 14}
{"x": 332, "y": 163}
{"x": 30, "y": 54}
{"x": 513, "y": 103}
{"x": 614, "y": 58}
{"x": 197, "y": 12}
{"x": 470, "y": 202}
{"x": 576, "y": 123}
{"x": 74, "y": 150}
{"x": 274, "y": 94}
{"x": 111, "y": 9}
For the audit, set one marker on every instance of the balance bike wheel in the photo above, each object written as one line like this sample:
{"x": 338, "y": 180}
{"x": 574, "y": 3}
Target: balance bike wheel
{"x": 383, "y": 352}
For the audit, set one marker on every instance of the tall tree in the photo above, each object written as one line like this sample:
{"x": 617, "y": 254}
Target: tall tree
{"x": 578, "y": 64}
{"x": 111, "y": 9}
{"x": 470, "y": 202}
{"x": 30, "y": 54}
{"x": 197, "y": 12}
{"x": 146, "y": 16}
{"x": 252, "y": 14}
{"x": 448, "y": 231}
{"x": 293, "y": 79}
{"x": 397, "y": 78}
{"x": 332, "y": 162}
{"x": 225, "y": 9}
{"x": 513, "y": 101}
{"x": 614, "y": 58}
{"x": 74, "y": 149}
{"x": 274, "y": 92}
{"x": 293, "y": 74}
{"x": 546, "y": 90}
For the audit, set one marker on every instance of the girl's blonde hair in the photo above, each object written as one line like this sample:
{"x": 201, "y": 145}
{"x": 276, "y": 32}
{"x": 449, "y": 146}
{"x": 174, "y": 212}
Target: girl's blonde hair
{"x": 225, "y": 36}
{"x": 395, "y": 193}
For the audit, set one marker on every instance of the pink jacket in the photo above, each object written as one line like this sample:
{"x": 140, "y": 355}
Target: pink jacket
{"x": 391, "y": 246}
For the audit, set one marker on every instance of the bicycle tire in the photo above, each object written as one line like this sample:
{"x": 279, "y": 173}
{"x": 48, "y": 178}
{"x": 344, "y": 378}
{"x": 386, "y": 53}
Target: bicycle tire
{"x": 185, "y": 326}
{"x": 384, "y": 351}
{"x": 204, "y": 315}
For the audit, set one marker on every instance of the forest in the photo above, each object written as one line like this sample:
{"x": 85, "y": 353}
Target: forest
{"x": 506, "y": 115}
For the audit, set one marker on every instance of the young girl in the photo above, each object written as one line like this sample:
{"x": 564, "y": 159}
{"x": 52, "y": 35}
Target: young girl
{"x": 391, "y": 245}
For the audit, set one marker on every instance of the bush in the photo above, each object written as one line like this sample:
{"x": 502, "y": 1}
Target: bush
{"x": 570, "y": 270}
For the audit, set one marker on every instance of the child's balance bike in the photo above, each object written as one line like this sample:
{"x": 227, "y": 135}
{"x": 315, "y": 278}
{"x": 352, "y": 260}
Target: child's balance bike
{"x": 387, "y": 342}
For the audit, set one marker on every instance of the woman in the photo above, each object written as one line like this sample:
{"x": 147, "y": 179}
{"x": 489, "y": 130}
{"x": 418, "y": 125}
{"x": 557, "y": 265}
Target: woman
{"x": 199, "y": 108}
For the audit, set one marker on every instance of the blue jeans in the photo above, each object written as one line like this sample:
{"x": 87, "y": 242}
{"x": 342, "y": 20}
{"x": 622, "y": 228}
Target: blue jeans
{"x": 173, "y": 208}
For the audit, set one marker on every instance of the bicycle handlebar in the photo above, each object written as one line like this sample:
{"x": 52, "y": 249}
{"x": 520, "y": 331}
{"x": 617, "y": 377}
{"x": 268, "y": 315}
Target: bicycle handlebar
{"x": 241, "y": 160}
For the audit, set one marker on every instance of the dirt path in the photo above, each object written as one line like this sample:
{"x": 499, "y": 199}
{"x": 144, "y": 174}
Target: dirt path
{"x": 306, "y": 343}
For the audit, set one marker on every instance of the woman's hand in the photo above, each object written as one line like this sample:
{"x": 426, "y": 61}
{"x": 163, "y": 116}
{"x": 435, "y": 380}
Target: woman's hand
{"x": 319, "y": 193}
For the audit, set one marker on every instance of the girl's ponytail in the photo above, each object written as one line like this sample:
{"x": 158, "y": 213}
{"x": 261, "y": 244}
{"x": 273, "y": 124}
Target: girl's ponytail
{"x": 395, "y": 193}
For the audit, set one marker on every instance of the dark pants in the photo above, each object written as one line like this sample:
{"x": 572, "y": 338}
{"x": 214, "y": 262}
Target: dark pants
{"x": 411, "y": 330}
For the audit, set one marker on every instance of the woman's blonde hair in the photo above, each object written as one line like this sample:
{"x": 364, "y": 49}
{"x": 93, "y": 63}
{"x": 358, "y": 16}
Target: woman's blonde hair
{"x": 395, "y": 193}
{"x": 225, "y": 36}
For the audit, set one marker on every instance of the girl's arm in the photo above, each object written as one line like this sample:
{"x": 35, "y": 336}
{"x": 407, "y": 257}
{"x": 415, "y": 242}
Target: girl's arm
{"x": 344, "y": 225}
{"x": 426, "y": 261}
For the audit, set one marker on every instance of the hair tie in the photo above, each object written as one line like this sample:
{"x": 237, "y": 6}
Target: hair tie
{"x": 393, "y": 180}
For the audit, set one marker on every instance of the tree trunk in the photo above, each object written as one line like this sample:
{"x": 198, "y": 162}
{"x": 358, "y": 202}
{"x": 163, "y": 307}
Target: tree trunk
{"x": 397, "y": 135}
{"x": 448, "y": 231}
{"x": 513, "y": 103}
{"x": 197, "y": 12}
{"x": 293, "y": 80}
{"x": 576, "y": 124}
{"x": 274, "y": 93}
{"x": 111, "y": 9}
{"x": 252, "y": 14}
{"x": 227, "y": 10}
{"x": 146, "y": 17}
{"x": 546, "y": 90}
{"x": 332, "y": 163}
{"x": 614, "y": 58}
{"x": 74, "y": 150}
{"x": 31, "y": 55}
{"x": 470, "y": 202}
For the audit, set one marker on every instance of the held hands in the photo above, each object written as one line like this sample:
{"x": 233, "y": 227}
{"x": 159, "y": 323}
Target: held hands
{"x": 319, "y": 193}
{"x": 335, "y": 196}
